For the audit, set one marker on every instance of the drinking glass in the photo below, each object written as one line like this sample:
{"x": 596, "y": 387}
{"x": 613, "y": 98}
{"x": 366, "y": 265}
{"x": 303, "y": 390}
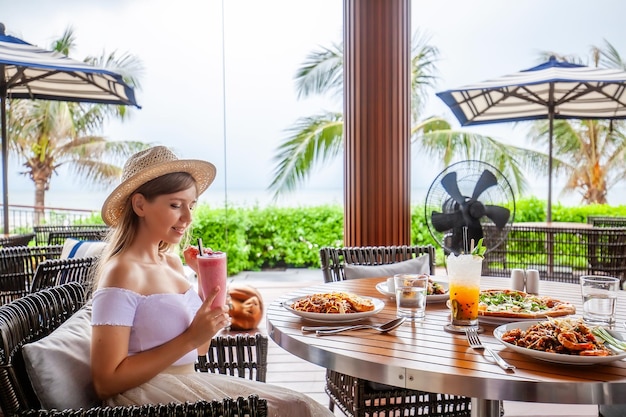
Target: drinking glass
{"x": 211, "y": 273}
{"x": 411, "y": 292}
{"x": 464, "y": 288}
{"x": 599, "y": 299}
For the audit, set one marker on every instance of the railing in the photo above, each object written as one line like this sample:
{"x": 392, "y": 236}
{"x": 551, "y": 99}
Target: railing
{"x": 23, "y": 218}
{"x": 560, "y": 251}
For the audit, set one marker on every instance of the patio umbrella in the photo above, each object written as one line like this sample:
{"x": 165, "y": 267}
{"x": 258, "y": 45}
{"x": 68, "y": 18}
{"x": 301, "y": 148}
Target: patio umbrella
{"x": 29, "y": 72}
{"x": 552, "y": 90}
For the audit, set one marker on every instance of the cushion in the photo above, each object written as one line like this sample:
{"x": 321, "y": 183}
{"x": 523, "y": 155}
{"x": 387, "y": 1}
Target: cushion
{"x": 59, "y": 367}
{"x": 74, "y": 248}
{"x": 419, "y": 265}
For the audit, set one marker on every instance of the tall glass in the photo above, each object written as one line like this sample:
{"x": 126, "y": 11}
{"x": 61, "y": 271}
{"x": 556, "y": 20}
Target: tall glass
{"x": 464, "y": 288}
{"x": 211, "y": 273}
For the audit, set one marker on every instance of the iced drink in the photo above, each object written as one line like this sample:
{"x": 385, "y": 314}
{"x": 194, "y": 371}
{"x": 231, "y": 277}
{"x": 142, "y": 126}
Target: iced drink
{"x": 211, "y": 273}
{"x": 464, "y": 287}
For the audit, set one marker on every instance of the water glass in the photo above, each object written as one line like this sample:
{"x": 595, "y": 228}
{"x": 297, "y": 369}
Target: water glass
{"x": 599, "y": 299}
{"x": 411, "y": 291}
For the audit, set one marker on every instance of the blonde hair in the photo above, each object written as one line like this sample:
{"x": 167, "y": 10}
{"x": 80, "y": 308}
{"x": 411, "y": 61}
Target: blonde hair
{"x": 121, "y": 236}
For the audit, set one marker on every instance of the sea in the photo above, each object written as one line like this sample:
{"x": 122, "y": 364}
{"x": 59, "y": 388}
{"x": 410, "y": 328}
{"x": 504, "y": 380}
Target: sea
{"x": 92, "y": 200}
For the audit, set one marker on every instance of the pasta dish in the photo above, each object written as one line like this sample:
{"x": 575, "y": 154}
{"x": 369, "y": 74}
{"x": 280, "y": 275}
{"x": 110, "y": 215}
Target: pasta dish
{"x": 567, "y": 336}
{"x": 333, "y": 303}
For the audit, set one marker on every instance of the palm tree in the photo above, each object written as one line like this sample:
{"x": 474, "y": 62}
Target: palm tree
{"x": 49, "y": 134}
{"x": 319, "y": 138}
{"x": 590, "y": 153}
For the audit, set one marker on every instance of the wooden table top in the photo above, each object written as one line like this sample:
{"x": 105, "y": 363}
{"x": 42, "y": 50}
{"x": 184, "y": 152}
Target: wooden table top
{"x": 423, "y": 356}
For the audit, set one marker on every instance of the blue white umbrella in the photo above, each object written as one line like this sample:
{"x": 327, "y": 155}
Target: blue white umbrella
{"x": 552, "y": 90}
{"x": 30, "y": 72}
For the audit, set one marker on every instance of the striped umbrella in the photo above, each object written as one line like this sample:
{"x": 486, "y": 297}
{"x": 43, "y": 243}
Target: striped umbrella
{"x": 29, "y": 72}
{"x": 552, "y": 90}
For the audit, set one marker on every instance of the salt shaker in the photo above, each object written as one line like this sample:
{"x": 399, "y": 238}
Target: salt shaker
{"x": 518, "y": 279}
{"x": 532, "y": 281}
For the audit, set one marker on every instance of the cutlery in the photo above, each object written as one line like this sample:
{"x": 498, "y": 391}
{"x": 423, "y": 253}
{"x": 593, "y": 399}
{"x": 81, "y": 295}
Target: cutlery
{"x": 383, "y": 328}
{"x": 474, "y": 342}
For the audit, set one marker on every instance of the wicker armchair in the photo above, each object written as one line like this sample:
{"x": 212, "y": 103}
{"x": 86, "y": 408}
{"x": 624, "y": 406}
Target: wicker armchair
{"x": 242, "y": 355}
{"x": 55, "y": 272}
{"x": 36, "y": 315}
{"x": 17, "y": 268}
{"x": 241, "y": 407}
{"x": 56, "y": 235}
{"x": 356, "y": 397}
{"x": 16, "y": 240}
{"x": 606, "y": 221}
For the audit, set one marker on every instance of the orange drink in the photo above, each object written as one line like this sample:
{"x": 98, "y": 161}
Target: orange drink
{"x": 464, "y": 301}
{"x": 464, "y": 288}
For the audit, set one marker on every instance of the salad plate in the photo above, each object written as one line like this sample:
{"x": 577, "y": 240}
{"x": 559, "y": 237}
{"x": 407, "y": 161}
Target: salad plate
{"x": 382, "y": 288}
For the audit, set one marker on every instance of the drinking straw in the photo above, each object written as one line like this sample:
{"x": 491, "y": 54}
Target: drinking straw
{"x": 465, "y": 242}
{"x": 200, "y": 248}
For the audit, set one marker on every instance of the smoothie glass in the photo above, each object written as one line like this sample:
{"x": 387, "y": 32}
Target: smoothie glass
{"x": 464, "y": 287}
{"x": 211, "y": 273}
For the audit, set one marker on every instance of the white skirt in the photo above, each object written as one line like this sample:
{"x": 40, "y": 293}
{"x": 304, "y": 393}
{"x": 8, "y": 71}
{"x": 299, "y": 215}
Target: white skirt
{"x": 181, "y": 384}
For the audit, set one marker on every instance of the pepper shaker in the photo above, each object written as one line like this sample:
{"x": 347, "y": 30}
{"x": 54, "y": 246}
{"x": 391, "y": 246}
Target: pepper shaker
{"x": 532, "y": 281}
{"x": 518, "y": 279}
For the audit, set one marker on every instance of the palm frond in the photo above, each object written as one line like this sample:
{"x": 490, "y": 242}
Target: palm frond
{"x": 321, "y": 73}
{"x": 311, "y": 140}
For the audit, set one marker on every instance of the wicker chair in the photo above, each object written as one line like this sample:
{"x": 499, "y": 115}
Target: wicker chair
{"x": 36, "y": 315}
{"x": 17, "y": 268}
{"x": 16, "y": 240}
{"x": 56, "y": 235}
{"x": 53, "y": 272}
{"x": 228, "y": 407}
{"x": 606, "y": 221}
{"x": 356, "y": 397}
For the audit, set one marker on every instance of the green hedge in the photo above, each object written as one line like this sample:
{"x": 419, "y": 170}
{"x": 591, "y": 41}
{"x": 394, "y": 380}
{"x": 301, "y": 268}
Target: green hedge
{"x": 276, "y": 237}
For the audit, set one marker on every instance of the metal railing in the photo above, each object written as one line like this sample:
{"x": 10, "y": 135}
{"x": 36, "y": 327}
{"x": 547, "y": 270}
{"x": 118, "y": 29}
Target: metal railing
{"x": 24, "y": 218}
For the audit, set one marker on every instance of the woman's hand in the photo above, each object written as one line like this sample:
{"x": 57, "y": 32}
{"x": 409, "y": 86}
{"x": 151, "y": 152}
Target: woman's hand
{"x": 207, "y": 322}
{"x": 191, "y": 255}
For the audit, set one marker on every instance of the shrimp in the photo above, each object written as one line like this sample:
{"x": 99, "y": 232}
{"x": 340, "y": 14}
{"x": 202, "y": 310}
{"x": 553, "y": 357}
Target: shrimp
{"x": 595, "y": 352}
{"x": 570, "y": 341}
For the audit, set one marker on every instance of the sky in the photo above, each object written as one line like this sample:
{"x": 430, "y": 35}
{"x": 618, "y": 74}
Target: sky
{"x": 219, "y": 83}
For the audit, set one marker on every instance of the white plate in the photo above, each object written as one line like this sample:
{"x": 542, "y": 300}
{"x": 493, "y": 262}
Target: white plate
{"x": 548, "y": 356}
{"x": 327, "y": 317}
{"x": 435, "y": 298}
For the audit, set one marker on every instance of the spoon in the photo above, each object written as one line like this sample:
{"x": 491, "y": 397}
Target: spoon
{"x": 383, "y": 328}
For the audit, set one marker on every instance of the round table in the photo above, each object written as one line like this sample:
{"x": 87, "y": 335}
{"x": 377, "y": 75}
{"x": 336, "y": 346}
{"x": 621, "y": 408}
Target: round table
{"x": 422, "y": 356}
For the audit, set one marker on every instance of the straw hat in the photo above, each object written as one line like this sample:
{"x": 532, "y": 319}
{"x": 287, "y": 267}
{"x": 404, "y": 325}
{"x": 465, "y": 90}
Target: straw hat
{"x": 148, "y": 165}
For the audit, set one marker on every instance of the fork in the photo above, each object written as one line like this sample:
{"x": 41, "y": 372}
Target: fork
{"x": 474, "y": 342}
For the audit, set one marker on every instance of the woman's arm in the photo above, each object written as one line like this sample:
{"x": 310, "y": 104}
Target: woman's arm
{"x": 114, "y": 370}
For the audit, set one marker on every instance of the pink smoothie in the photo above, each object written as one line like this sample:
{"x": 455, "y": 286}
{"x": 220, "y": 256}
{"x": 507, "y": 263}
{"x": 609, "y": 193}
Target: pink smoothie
{"x": 211, "y": 273}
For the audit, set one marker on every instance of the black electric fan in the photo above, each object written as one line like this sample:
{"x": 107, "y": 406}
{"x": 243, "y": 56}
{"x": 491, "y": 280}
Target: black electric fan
{"x": 462, "y": 199}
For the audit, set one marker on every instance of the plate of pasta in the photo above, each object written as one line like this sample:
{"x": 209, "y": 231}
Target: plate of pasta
{"x": 334, "y": 306}
{"x": 563, "y": 340}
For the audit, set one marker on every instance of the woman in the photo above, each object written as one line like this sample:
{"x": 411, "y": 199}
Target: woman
{"x": 149, "y": 325}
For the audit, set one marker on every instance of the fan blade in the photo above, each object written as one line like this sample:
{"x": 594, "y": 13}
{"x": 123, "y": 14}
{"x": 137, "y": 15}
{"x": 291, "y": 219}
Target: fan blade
{"x": 446, "y": 221}
{"x": 450, "y": 185}
{"x": 499, "y": 215}
{"x": 486, "y": 180}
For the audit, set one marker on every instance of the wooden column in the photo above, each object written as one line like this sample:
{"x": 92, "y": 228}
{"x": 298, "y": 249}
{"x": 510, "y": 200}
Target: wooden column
{"x": 377, "y": 121}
